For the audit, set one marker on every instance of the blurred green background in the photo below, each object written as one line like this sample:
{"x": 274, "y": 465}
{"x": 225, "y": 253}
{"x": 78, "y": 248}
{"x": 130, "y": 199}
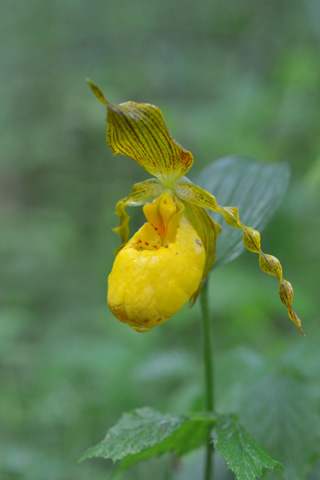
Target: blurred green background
{"x": 231, "y": 78}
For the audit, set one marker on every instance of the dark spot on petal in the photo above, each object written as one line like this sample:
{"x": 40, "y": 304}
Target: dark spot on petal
{"x": 198, "y": 242}
{"x": 146, "y": 243}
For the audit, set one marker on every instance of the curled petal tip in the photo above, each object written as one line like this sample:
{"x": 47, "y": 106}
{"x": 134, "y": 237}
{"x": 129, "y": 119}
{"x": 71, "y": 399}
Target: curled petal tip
{"x": 96, "y": 90}
{"x": 300, "y": 330}
{"x": 296, "y": 320}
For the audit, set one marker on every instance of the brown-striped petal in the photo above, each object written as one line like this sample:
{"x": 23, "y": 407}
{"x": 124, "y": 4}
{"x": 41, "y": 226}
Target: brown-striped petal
{"x": 138, "y": 131}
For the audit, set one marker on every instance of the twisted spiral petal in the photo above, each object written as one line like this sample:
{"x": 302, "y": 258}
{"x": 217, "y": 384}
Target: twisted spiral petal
{"x": 251, "y": 239}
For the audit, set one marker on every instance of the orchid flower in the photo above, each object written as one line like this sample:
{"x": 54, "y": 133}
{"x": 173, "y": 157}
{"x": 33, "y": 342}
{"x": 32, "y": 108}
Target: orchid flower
{"x": 166, "y": 262}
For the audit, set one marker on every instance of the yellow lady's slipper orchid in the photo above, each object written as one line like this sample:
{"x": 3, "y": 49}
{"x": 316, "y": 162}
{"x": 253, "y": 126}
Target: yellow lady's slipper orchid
{"x": 167, "y": 261}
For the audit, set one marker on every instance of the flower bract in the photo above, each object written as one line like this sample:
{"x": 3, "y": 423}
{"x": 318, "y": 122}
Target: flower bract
{"x": 167, "y": 261}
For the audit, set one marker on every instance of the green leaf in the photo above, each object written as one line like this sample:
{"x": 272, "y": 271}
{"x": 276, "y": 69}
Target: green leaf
{"x": 280, "y": 413}
{"x": 146, "y": 433}
{"x": 255, "y": 188}
{"x": 242, "y": 454}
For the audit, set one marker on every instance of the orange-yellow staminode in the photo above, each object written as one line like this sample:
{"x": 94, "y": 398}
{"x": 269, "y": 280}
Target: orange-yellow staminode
{"x": 167, "y": 261}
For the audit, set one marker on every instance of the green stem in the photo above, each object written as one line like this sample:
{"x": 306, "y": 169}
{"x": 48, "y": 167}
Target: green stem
{"x": 208, "y": 366}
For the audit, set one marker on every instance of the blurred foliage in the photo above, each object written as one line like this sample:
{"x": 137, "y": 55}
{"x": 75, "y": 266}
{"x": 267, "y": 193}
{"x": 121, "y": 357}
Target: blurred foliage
{"x": 237, "y": 78}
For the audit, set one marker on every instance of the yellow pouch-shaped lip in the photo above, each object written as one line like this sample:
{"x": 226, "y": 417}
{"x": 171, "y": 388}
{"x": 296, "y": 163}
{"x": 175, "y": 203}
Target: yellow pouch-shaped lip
{"x": 158, "y": 270}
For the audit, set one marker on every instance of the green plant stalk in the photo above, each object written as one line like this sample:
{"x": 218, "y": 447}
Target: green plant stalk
{"x": 208, "y": 370}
